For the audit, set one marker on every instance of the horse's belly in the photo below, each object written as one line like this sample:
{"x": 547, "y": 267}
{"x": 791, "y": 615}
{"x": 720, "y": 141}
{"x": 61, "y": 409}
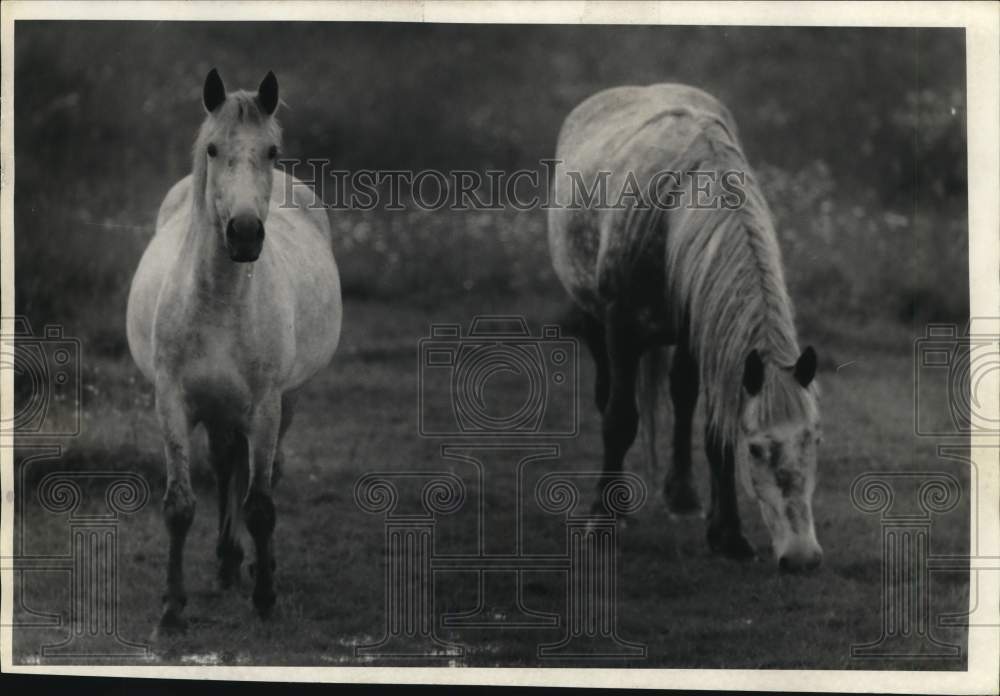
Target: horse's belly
{"x": 314, "y": 297}
{"x": 317, "y": 338}
{"x": 217, "y": 392}
{"x": 601, "y": 260}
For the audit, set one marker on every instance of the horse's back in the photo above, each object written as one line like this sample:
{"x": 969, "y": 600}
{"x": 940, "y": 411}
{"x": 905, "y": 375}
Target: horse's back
{"x": 157, "y": 260}
{"x": 644, "y": 124}
{"x": 616, "y": 253}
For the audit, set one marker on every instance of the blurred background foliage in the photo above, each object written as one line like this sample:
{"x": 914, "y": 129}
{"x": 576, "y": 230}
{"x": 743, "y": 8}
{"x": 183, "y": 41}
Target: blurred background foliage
{"x": 857, "y": 134}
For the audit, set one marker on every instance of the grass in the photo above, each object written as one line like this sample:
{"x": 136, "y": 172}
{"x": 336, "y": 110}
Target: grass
{"x": 689, "y": 608}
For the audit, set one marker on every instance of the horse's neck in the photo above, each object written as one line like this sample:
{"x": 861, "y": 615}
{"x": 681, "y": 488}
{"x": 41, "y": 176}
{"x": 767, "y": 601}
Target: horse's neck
{"x": 215, "y": 279}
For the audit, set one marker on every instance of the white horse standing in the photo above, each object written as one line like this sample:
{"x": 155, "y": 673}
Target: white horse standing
{"x": 227, "y": 321}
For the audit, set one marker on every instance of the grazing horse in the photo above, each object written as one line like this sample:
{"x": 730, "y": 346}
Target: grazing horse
{"x": 235, "y": 304}
{"x": 682, "y": 252}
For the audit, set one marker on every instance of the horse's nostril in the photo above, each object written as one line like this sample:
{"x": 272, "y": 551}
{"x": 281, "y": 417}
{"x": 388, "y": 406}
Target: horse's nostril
{"x": 245, "y": 229}
{"x": 245, "y": 237}
{"x": 784, "y": 565}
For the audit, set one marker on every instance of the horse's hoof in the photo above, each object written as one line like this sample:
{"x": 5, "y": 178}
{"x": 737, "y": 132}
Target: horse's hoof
{"x": 263, "y": 602}
{"x": 733, "y": 546}
{"x": 171, "y": 623}
{"x": 682, "y": 500}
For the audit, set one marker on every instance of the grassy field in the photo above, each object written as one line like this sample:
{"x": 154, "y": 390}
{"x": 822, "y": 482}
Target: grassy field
{"x": 858, "y": 137}
{"x": 690, "y": 609}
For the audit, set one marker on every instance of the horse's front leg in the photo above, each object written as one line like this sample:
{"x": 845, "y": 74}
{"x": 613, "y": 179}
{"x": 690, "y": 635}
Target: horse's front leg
{"x": 724, "y": 534}
{"x": 259, "y": 506}
{"x": 678, "y": 488}
{"x": 179, "y": 499}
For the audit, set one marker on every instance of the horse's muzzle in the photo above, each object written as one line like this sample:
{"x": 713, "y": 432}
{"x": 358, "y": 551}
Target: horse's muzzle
{"x": 245, "y": 238}
{"x": 801, "y": 561}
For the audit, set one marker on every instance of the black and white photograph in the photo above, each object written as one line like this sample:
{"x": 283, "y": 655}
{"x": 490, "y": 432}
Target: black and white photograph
{"x": 591, "y": 341}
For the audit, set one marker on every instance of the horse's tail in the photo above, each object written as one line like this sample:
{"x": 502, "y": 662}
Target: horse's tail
{"x": 652, "y": 370}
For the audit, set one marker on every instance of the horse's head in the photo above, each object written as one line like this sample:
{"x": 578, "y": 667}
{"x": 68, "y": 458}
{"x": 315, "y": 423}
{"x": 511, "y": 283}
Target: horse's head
{"x": 776, "y": 455}
{"x": 239, "y": 140}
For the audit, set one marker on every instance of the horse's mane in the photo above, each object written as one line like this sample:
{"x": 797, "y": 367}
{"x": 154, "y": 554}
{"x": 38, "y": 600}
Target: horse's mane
{"x": 240, "y": 107}
{"x": 727, "y": 286}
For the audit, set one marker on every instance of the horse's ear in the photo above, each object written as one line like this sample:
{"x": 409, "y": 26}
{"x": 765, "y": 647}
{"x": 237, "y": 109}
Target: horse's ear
{"x": 267, "y": 93}
{"x": 753, "y": 373}
{"x": 805, "y": 367}
{"x": 214, "y": 92}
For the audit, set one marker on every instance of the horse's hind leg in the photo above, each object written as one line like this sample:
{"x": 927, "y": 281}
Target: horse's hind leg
{"x": 594, "y": 336}
{"x": 678, "y": 488}
{"x": 259, "y": 506}
{"x": 228, "y": 450}
{"x": 620, "y": 421}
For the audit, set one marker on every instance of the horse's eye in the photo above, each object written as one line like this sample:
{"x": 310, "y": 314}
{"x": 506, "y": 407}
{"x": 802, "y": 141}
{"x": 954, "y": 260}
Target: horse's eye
{"x": 756, "y": 451}
{"x": 212, "y": 150}
{"x": 272, "y": 152}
